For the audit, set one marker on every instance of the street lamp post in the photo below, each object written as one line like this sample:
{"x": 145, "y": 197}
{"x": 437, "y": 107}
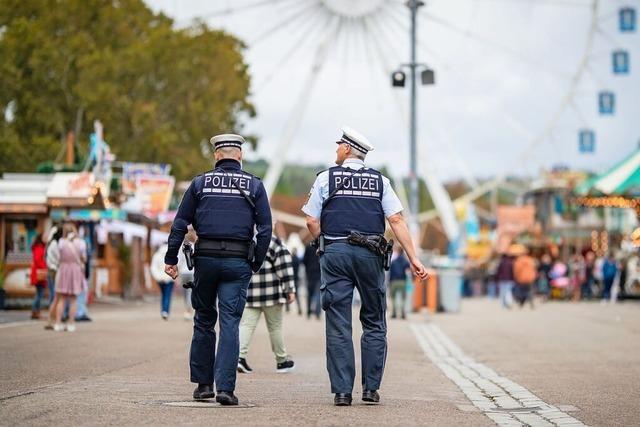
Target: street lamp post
{"x": 413, "y": 168}
{"x": 398, "y": 80}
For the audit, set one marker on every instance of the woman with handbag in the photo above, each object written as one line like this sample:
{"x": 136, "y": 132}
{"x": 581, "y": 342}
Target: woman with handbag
{"x": 38, "y": 274}
{"x": 70, "y": 280}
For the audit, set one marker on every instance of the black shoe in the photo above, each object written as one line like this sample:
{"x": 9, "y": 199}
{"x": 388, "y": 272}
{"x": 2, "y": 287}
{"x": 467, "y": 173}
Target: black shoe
{"x": 284, "y": 367}
{"x": 204, "y": 391}
{"x": 226, "y": 398}
{"x": 342, "y": 399}
{"x": 243, "y": 366}
{"x": 83, "y": 318}
{"x": 370, "y": 396}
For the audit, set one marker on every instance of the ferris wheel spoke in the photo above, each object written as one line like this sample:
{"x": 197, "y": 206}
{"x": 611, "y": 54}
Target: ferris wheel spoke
{"x": 316, "y": 23}
{"x": 462, "y": 79}
{"x": 626, "y": 2}
{"x": 342, "y": 48}
{"x": 438, "y": 59}
{"x": 286, "y": 21}
{"x": 574, "y": 107}
{"x": 373, "y": 58}
{"x": 608, "y": 17}
{"x": 460, "y": 163}
{"x": 237, "y": 8}
{"x": 403, "y": 27}
{"x": 386, "y": 37}
{"x": 592, "y": 73}
{"x": 360, "y": 41}
{"x": 293, "y": 123}
{"x": 369, "y": 53}
{"x": 513, "y": 53}
{"x": 600, "y": 55}
{"x": 608, "y": 38}
{"x": 570, "y": 3}
{"x": 382, "y": 61}
{"x": 573, "y": 87}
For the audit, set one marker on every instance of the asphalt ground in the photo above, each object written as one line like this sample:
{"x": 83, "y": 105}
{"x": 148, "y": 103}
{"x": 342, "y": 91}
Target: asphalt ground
{"x": 128, "y": 366}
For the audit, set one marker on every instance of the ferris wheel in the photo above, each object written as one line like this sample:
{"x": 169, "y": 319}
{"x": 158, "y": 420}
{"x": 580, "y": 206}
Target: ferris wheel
{"x": 333, "y": 60}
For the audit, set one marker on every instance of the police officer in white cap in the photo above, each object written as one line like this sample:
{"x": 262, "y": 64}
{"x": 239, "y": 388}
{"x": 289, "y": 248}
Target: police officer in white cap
{"x": 225, "y": 206}
{"x": 346, "y": 211}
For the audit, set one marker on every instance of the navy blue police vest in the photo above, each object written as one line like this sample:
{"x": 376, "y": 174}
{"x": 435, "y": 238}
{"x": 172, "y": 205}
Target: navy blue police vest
{"x": 357, "y": 206}
{"x": 222, "y": 212}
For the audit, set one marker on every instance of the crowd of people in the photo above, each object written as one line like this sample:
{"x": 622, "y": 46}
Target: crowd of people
{"x": 60, "y": 264}
{"x": 521, "y": 273}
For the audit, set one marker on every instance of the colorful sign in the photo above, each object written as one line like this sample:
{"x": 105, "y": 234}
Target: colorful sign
{"x": 87, "y": 214}
{"x": 513, "y": 220}
{"x": 153, "y": 192}
{"x": 71, "y": 185}
{"x": 131, "y": 172}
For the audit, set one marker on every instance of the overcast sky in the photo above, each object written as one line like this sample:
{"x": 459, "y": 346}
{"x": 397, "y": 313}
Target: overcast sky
{"x": 501, "y": 77}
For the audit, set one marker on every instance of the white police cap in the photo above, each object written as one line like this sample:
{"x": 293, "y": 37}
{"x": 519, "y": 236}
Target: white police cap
{"x": 355, "y": 139}
{"x": 227, "y": 140}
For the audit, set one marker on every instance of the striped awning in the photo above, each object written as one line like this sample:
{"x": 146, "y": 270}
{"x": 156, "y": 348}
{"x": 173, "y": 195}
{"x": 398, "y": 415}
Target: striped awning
{"x": 623, "y": 179}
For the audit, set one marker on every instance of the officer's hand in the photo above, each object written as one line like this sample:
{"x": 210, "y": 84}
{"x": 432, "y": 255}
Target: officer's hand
{"x": 291, "y": 297}
{"x": 171, "y": 270}
{"x": 419, "y": 269}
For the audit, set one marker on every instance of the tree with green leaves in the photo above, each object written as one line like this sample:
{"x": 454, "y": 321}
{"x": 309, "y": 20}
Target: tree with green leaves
{"x": 159, "y": 91}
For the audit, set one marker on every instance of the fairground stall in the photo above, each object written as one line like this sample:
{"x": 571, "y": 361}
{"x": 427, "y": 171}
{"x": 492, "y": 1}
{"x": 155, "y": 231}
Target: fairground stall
{"x": 23, "y": 214}
{"x": 615, "y": 194}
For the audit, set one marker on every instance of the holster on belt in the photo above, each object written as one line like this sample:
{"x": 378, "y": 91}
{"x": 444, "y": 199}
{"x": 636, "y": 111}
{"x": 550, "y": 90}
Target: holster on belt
{"x": 188, "y": 256}
{"x": 319, "y": 244}
{"x": 375, "y": 243}
{"x": 224, "y": 248}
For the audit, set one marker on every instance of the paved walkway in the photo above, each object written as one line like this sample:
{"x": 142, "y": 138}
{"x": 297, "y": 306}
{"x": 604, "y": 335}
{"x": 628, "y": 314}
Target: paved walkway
{"x": 482, "y": 367}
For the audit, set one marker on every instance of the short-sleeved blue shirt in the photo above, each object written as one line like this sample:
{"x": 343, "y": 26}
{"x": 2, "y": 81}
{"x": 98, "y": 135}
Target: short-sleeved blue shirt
{"x": 391, "y": 204}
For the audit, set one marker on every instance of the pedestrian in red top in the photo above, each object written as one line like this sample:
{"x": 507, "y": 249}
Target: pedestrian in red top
{"x": 38, "y": 273}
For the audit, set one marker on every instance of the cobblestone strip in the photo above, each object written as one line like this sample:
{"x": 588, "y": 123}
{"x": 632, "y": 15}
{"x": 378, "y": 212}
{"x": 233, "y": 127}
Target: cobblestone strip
{"x": 502, "y": 400}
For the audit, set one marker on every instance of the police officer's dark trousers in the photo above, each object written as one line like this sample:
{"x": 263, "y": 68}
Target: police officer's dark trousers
{"x": 344, "y": 267}
{"x": 220, "y": 289}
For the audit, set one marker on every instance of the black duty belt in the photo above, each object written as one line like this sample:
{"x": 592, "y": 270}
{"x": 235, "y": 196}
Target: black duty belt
{"x": 223, "y": 248}
{"x": 331, "y": 241}
{"x": 374, "y": 243}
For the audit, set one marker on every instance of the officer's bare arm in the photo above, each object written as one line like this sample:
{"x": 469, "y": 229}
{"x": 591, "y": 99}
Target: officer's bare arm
{"x": 401, "y": 231}
{"x": 313, "y": 224}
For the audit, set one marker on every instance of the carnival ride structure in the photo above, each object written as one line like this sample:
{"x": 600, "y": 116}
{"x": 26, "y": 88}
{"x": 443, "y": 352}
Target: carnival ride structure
{"x": 314, "y": 35}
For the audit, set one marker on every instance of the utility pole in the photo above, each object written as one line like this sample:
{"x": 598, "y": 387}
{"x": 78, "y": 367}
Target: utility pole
{"x": 398, "y": 79}
{"x": 414, "y": 196}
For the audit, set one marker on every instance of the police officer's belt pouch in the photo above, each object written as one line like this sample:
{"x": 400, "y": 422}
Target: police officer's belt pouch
{"x": 375, "y": 243}
{"x": 223, "y": 248}
{"x": 188, "y": 254}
